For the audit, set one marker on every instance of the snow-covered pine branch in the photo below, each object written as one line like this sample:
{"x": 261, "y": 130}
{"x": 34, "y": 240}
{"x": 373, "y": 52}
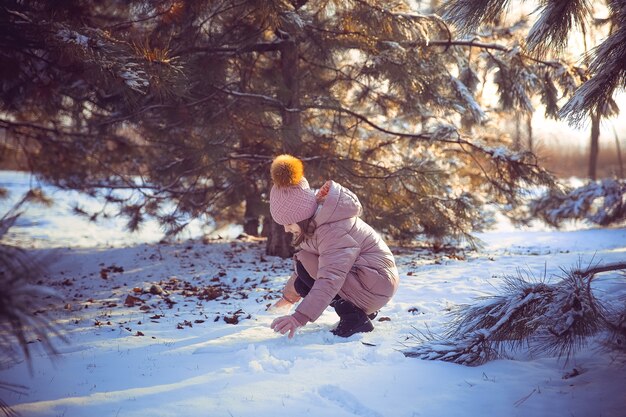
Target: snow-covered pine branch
{"x": 548, "y": 318}
{"x": 468, "y": 15}
{"x": 601, "y": 202}
{"x": 476, "y": 111}
{"x": 556, "y": 20}
{"x": 132, "y": 64}
{"x": 550, "y": 33}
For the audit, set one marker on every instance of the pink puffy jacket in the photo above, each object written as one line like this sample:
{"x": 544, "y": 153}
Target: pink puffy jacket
{"x": 345, "y": 256}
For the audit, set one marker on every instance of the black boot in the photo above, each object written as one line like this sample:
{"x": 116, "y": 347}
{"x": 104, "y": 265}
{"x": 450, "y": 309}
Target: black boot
{"x": 351, "y": 319}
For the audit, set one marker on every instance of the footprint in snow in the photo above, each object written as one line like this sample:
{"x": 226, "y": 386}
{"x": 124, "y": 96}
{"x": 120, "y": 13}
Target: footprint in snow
{"x": 347, "y": 401}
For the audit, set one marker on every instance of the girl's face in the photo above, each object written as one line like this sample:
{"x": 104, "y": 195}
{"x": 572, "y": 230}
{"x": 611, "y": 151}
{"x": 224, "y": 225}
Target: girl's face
{"x": 293, "y": 228}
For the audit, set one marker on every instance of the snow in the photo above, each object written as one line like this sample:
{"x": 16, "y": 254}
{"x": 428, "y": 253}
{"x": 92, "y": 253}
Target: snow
{"x": 54, "y": 226}
{"x": 190, "y": 362}
{"x": 477, "y": 112}
{"x": 134, "y": 78}
{"x": 71, "y": 36}
{"x": 295, "y": 19}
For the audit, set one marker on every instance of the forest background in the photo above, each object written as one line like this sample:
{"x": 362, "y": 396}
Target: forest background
{"x": 173, "y": 110}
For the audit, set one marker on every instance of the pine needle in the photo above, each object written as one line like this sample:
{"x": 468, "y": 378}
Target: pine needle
{"x": 547, "y": 318}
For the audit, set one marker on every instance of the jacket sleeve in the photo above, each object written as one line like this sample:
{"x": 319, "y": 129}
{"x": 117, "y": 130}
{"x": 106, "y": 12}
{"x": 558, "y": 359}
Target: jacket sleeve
{"x": 337, "y": 253}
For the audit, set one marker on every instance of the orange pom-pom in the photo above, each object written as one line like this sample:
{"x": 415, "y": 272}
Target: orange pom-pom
{"x": 286, "y": 170}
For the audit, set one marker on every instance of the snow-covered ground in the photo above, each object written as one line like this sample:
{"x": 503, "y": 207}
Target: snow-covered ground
{"x": 205, "y": 348}
{"x": 56, "y": 226}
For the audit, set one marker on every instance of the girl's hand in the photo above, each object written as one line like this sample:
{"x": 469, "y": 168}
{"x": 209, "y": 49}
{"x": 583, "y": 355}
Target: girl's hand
{"x": 286, "y": 324}
{"x": 282, "y": 304}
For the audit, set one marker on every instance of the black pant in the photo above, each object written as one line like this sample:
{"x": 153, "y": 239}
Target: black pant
{"x": 304, "y": 282}
{"x": 349, "y": 314}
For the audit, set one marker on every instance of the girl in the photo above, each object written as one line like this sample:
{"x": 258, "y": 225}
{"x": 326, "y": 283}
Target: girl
{"x": 341, "y": 262}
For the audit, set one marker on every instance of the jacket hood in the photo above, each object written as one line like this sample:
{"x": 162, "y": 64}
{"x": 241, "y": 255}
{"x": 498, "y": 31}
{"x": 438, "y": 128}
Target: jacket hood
{"x": 340, "y": 203}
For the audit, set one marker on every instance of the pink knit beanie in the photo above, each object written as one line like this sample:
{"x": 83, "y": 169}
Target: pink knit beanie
{"x": 291, "y": 198}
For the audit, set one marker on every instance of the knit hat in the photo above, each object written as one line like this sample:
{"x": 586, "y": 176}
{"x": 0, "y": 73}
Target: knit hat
{"x": 291, "y": 198}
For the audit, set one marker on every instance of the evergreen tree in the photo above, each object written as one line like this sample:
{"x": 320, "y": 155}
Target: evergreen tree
{"x": 604, "y": 66}
{"x": 175, "y": 109}
{"x": 549, "y": 37}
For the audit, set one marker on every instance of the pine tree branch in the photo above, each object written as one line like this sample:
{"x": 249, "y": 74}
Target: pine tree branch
{"x": 590, "y": 273}
{"x": 156, "y": 107}
{"x": 494, "y": 46}
{"x": 12, "y": 125}
{"x": 469, "y": 14}
{"x": 256, "y": 47}
{"x": 550, "y": 318}
{"x": 504, "y": 187}
{"x": 555, "y": 22}
{"x": 601, "y": 268}
{"x": 222, "y": 10}
{"x": 419, "y": 136}
{"x": 257, "y": 97}
{"x": 124, "y": 25}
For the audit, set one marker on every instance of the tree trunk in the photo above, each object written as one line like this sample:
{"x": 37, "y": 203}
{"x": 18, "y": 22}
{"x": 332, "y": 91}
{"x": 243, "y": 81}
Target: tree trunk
{"x": 251, "y": 226}
{"x": 267, "y": 225}
{"x": 529, "y": 128}
{"x": 251, "y": 216}
{"x": 517, "y": 139}
{"x": 290, "y": 97}
{"x": 594, "y": 146}
{"x": 279, "y": 242}
{"x": 619, "y": 153}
